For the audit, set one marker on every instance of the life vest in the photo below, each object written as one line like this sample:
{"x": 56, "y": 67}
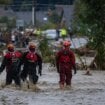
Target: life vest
{"x": 31, "y": 57}
{"x": 63, "y": 32}
{"x": 64, "y": 57}
{"x": 38, "y": 32}
{"x": 12, "y": 60}
{"x": 13, "y": 56}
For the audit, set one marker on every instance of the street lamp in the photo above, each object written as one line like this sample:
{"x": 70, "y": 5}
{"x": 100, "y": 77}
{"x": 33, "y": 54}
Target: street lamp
{"x": 34, "y": 12}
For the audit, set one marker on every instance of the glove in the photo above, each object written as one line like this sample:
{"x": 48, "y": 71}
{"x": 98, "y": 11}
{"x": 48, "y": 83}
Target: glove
{"x": 40, "y": 72}
{"x": 75, "y": 70}
{"x": 0, "y": 73}
{"x": 58, "y": 69}
{"x": 1, "y": 70}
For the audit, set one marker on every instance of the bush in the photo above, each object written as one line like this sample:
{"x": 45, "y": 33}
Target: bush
{"x": 45, "y": 50}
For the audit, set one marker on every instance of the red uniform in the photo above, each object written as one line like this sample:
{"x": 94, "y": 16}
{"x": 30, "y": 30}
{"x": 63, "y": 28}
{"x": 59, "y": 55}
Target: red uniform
{"x": 65, "y": 61}
{"x": 11, "y": 61}
{"x": 31, "y": 60}
{"x": 11, "y": 57}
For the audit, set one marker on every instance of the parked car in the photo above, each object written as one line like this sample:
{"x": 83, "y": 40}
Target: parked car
{"x": 50, "y": 34}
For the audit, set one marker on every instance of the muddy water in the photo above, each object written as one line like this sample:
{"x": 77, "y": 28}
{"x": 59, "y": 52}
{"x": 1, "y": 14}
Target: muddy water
{"x": 86, "y": 90}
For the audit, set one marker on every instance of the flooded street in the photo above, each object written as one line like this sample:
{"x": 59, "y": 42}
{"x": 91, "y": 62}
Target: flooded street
{"x": 86, "y": 90}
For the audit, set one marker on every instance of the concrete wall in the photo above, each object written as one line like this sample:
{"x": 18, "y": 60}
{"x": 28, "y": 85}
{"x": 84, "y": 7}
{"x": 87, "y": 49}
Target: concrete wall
{"x": 40, "y": 15}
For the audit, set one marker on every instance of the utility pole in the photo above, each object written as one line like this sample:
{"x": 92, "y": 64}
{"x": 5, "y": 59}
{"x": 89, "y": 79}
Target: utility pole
{"x": 34, "y": 12}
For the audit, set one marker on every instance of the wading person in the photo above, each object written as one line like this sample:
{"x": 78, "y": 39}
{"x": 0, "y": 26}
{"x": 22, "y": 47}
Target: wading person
{"x": 65, "y": 62}
{"x": 31, "y": 61}
{"x": 11, "y": 61}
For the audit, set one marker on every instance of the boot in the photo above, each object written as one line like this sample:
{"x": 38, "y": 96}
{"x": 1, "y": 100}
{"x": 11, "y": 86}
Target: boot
{"x": 25, "y": 85}
{"x": 36, "y": 88}
{"x": 30, "y": 85}
{"x": 88, "y": 72}
{"x": 68, "y": 86}
{"x": 18, "y": 87}
{"x": 33, "y": 87}
{"x": 62, "y": 86}
{"x": 3, "y": 85}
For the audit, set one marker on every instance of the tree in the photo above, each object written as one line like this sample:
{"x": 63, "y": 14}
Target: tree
{"x": 54, "y": 17}
{"x": 90, "y": 20}
{"x": 26, "y": 5}
{"x": 5, "y": 1}
{"x": 10, "y": 23}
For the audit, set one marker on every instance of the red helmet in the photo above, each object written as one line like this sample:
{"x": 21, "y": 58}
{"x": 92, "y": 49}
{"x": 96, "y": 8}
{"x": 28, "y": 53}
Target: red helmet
{"x": 10, "y": 47}
{"x": 32, "y": 47}
{"x": 66, "y": 43}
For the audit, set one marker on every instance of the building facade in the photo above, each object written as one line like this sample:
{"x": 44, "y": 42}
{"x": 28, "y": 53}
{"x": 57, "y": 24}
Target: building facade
{"x": 26, "y": 5}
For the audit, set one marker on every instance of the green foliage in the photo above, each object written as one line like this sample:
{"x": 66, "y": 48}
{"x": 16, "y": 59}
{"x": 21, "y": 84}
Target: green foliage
{"x": 90, "y": 21}
{"x": 5, "y": 1}
{"x": 54, "y": 18}
{"x": 79, "y": 17}
{"x": 11, "y": 23}
{"x": 25, "y": 7}
{"x": 45, "y": 50}
{"x": 4, "y": 19}
{"x": 49, "y": 25}
{"x": 100, "y": 58}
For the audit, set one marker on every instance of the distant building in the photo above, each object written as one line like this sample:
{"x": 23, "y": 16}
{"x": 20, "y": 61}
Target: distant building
{"x": 41, "y": 4}
{"x": 65, "y": 2}
{"x": 8, "y": 13}
{"x": 22, "y": 10}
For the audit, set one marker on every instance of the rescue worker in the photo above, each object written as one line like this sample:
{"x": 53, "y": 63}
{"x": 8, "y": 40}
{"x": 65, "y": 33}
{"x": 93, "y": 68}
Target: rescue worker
{"x": 31, "y": 60}
{"x": 70, "y": 32}
{"x": 63, "y": 33}
{"x": 11, "y": 61}
{"x": 65, "y": 61}
{"x": 38, "y": 32}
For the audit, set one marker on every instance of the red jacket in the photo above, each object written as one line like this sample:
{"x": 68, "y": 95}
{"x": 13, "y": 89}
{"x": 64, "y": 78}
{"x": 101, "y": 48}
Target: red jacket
{"x": 9, "y": 58}
{"x": 65, "y": 56}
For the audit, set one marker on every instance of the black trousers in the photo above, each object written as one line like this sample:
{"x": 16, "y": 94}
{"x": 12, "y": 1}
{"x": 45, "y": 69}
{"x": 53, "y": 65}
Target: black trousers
{"x": 12, "y": 75}
{"x": 31, "y": 72}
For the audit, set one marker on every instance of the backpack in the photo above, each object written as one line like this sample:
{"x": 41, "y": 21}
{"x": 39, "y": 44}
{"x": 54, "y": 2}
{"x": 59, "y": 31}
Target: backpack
{"x": 65, "y": 57}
